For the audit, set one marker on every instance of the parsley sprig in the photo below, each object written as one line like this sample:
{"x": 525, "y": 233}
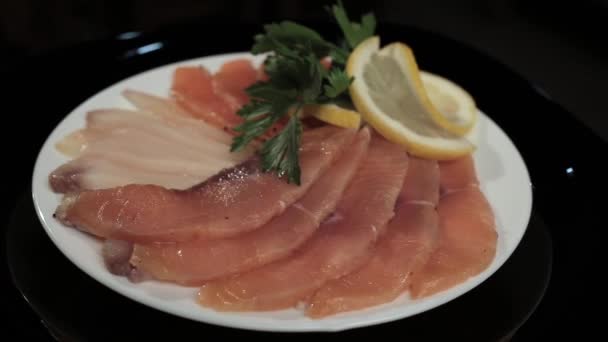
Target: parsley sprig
{"x": 296, "y": 78}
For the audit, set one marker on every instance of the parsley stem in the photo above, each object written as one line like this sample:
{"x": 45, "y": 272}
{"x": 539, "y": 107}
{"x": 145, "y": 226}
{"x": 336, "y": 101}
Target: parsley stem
{"x": 299, "y": 106}
{"x": 296, "y": 78}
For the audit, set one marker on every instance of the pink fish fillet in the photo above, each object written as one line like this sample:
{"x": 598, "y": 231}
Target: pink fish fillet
{"x": 238, "y": 200}
{"x": 404, "y": 248}
{"x": 342, "y": 244}
{"x": 233, "y": 78}
{"x": 458, "y": 174}
{"x": 467, "y": 232}
{"x": 193, "y": 90}
{"x": 192, "y": 263}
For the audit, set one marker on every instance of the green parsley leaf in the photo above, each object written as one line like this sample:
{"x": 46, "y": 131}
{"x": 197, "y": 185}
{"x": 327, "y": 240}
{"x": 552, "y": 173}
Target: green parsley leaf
{"x": 312, "y": 80}
{"x": 296, "y": 78}
{"x": 354, "y": 32}
{"x": 269, "y": 91}
{"x": 280, "y": 153}
{"x": 292, "y": 36}
{"x": 250, "y": 131}
{"x": 259, "y": 117}
{"x": 339, "y": 81}
{"x": 339, "y": 56}
{"x": 293, "y": 73}
{"x": 255, "y": 109}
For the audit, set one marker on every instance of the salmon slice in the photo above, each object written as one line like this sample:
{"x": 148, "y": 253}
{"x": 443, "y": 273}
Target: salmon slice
{"x": 342, "y": 244}
{"x": 230, "y": 83}
{"x": 458, "y": 174}
{"x": 405, "y": 248}
{"x": 233, "y": 78}
{"x": 261, "y": 73}
{"x": 193, "y": 89}
{"x": 237, "y": 200}
{"x": 217, "y": 98}
{"x": 421, "y": 183}
{"x": 192, "y": 263}
{"x": 467, "y": 232}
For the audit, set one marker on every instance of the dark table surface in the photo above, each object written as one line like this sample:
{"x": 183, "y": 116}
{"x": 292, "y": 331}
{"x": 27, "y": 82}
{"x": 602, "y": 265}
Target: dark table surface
{"x": 557, "y": 45}
{"x": 564, "y": 239}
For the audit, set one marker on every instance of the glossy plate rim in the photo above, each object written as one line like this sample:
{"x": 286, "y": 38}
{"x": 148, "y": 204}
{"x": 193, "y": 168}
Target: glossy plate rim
{"x": 283, "y": 321}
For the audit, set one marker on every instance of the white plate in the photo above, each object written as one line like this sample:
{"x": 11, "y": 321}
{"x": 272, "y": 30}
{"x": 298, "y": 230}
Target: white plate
{"x": 504, "y": 180}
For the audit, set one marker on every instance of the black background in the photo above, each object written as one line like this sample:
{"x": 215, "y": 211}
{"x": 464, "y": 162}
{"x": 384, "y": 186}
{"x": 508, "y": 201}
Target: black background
{"x": 558, "y": 46}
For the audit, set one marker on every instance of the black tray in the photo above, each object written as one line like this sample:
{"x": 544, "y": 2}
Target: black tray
{"x": 46, "y": 295}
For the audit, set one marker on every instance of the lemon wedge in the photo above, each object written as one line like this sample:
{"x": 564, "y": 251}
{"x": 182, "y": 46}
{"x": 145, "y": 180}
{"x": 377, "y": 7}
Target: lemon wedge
{"x": 389, "y": 94}
{"x": 456, "y": 109}
{"x": 334, "y": 114}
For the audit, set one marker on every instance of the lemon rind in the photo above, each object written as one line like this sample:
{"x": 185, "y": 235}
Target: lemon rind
{"x": 459, "y": 92}
{"x": 435, "y": 148}
{"x": 335, "y": 115}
